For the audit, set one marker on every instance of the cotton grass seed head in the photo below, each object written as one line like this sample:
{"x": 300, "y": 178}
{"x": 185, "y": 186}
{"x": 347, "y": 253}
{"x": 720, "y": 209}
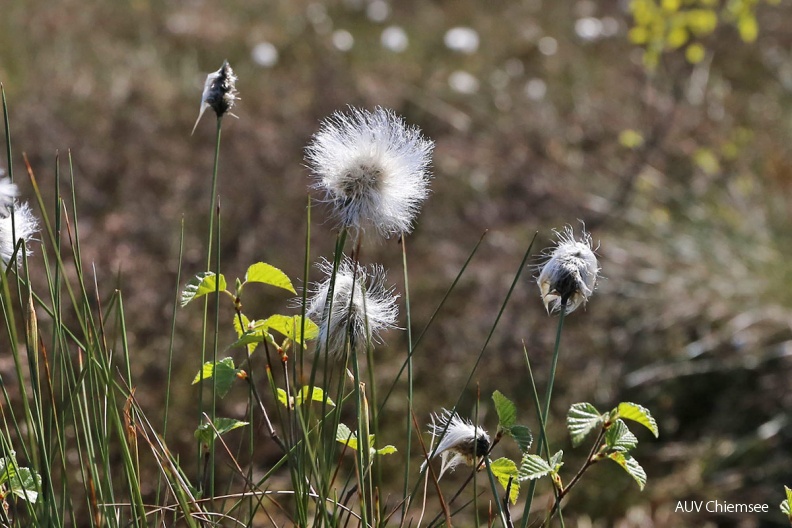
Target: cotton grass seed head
{"x": 372, "y": 168}
{"x": 8, "y": 191}
{"x": 568, "y": 277}
{"x": 219, "y": 92}
{"x": 461, "y": 442}
{"x": 362, "y": 306}
{"x": 21, "y": 224}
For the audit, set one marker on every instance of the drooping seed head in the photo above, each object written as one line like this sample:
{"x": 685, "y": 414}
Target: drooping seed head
{"x": 460, "y": 441}
{"x": 569, "y": 275}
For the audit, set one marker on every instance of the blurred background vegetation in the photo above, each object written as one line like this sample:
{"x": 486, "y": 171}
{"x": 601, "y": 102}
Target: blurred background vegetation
{"x": 669, "y": 137}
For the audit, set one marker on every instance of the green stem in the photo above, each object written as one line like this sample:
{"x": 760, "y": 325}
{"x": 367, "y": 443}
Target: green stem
{"x": 405, "y": 505}
{"x": 544, "y": 416}
{"x": 204, "y": 325}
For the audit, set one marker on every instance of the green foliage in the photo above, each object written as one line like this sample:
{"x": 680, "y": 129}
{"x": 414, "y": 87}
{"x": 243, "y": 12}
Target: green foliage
{"x": 522, "y": 435}
{"x": 291, "y": 326}
{"x": 785, "y": 505}
{"x": 305, "y": 394}
{"x": 507, "y": 421}
{"x": 202, "y": 284}
{"x": 346, "y": 436}
{"x": 507, "y": 411}
{"x": 268, "y": 274}
{"x": 504, "y": 470}
{"x": 581, "y": 420}
{"x": 22, "y": 482}
{"x": 534, "y": 467}
{"x": 631, "y": 466}
{"x": 619, "y": 438}
{"x": 205, "y": 433}
{"x": 637, "y": 413}
{"x": 224, "y": 373}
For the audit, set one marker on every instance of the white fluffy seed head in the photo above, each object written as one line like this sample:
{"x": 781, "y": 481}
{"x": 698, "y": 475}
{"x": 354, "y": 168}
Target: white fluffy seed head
{"x": 8, "y": 191}
{"x": 569, "y": 275}
{"x": 362, "y": 306}
{"x": 461, "y": 442}
{"x": 21, "y": 224}
{"x": 372, "y": 169}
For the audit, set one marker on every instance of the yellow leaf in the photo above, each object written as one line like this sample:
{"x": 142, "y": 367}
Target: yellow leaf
{"x": 630, "y": 138}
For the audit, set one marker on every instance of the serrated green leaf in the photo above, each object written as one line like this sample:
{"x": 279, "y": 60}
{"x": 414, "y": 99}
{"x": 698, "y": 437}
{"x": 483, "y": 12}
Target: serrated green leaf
{"x": 581, "y": 420}
{"x": 785, "y": 506}
{"x": 345, "y": 436}
{"x": 224, "y": 373}
{"x": 631, "y": 466}
{"x": 200, "y": 285}
{"x": 504, "y": 469}
{"x": 638, "y": 413}
{"x": 291, "y": 326}
{"x": 533, "y": 467}
{"x": 507, "y": 411}
{"x": 205, "y": 433}
{"x": 618, "y": 437}
{"x": 268, "y": 274}
{"x": 522, "y": 435}
{"x": 555, "y": 460}
{"x": 387, "y": 450}
{"x": 25, "y": 484}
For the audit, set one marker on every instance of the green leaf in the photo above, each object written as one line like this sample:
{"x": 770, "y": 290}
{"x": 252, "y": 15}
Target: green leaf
{"x": 243, "y": 326}
{"x": 785, "y": 505}
{"x": 581, "y": 420}
{"x": 631, "y": 466}
{"x": 200, "y": 285}
{"x": 291, "y": 326}
{"x": 206, "y": 433}
{"x": 387, "y": 450}
{"x": 504, "y": 469}
{"x": 522, "y": 435}
{"x": 283, "y": 398}
{"x": 619, "y": 438}
{"x": 555, "y": 460}
{"x": 25, "y": 484}
{"x": 345, "y": 435}
{"x": 267, "y": 274}
{"x": 304, "y": 395}
{"x": 317, "y": 394}
{"x": 223, "y": 371}
{"x": 637, "y": 413}
{"x": 507, "y": 411}
{"x": 533, "y": 467}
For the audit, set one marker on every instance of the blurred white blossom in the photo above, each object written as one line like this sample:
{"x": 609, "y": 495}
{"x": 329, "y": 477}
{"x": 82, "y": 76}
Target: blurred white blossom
{"x": 568, "y": 277}
{"x": 372, "y": 168}
{"x": 462, "y": 39}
